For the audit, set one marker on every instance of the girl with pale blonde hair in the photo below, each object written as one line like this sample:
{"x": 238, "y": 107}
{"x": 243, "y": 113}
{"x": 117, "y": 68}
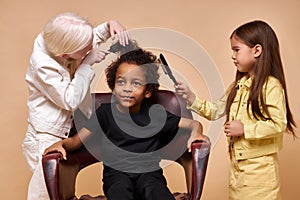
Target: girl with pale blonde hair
{"x": 58, "y": 78}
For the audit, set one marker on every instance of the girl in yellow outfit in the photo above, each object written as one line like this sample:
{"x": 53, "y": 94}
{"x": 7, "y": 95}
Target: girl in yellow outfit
{"x": 257, "y": 112}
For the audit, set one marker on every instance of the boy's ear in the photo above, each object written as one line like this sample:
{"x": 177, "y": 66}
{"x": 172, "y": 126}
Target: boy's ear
{"x": 257, "y": 50}
{"x": 148, "y": 94}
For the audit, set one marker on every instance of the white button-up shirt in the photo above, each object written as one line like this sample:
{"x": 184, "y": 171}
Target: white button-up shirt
{"x": 53, "y": 95}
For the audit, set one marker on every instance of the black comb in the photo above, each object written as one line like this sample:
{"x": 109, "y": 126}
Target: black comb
{"x": 166, "y": 68}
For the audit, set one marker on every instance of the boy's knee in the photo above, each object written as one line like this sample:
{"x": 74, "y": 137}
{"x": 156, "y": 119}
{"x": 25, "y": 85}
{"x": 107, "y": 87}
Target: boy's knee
{"x": 153, "y": 181}
{"x": 118, "y": 187}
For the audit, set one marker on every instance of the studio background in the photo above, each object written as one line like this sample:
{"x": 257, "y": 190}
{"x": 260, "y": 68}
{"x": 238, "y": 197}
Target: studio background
{"x": 209, "y": 23}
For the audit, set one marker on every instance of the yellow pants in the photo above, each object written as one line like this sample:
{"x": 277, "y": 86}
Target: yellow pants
{"x": 255, "y": 178}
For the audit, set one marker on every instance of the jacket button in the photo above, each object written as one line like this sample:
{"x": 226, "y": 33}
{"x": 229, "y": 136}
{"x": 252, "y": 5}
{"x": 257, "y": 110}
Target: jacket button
{"x": 66, "y": 134}
{"x": 240, "y": 154}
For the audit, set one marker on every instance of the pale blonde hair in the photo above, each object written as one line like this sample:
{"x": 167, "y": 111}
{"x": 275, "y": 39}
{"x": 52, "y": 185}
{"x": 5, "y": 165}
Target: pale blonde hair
{"x": 67, "y": 33}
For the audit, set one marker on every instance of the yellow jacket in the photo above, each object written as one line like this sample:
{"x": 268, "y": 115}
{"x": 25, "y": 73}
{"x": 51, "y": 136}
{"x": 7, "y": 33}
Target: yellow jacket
{"x": 260, "y": 137}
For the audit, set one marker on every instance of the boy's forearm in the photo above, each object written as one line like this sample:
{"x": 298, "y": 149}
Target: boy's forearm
{"x": 197, "y": 128}
{"x": 75, "y": 142}
{"x": 190, "y": 124}
{"x": 71, "y": 144}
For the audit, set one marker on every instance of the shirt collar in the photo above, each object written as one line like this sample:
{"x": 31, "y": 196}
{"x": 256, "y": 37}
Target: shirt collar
{"x": 244, "y": 81}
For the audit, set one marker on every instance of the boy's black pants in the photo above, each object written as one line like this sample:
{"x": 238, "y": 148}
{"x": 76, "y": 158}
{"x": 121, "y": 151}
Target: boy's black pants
{"x": 130, "y": 186}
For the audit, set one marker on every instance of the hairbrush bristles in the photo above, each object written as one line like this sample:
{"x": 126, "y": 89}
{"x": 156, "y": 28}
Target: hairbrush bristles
{"x": 118, "y": 48}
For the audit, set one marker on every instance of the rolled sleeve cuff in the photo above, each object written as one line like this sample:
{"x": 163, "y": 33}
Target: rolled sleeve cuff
{"x": 196, "y": 105}
{"x": 101, "y": 32}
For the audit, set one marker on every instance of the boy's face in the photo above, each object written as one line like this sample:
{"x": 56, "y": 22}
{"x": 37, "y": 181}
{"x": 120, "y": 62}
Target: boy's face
{"x": 130, "y": 87}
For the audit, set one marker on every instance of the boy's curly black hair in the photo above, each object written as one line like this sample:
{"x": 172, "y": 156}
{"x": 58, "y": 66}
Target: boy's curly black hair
{"x": 145, "y": 59}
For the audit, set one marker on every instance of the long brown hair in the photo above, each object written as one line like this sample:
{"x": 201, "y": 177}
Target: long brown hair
{"x": 268, "y": 64}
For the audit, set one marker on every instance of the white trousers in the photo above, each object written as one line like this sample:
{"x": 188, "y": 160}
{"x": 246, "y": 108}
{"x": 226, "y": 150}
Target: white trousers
{"x": 33, "y": 146}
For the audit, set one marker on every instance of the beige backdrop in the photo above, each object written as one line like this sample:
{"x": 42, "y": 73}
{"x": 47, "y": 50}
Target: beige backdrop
{"x": 209, "y": 23}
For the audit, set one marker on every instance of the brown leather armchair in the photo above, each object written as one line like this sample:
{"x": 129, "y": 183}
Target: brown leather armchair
{"x": 60, "y": 175}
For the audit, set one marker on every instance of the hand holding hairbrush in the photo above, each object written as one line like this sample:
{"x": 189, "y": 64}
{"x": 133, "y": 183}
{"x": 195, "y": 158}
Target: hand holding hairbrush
{"x": 166, "y": 68}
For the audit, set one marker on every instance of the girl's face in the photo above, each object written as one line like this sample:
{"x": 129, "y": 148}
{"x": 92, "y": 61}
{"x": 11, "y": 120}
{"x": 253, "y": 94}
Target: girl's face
{"x": 243, "y": 56}
{"x": 130, "y": 87}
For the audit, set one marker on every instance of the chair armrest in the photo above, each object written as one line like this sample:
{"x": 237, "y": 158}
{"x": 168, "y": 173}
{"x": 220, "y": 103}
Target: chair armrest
{"x": 50, "y": 164}
{"x": 200, "y": 155}
{"x": 60, "y": 175}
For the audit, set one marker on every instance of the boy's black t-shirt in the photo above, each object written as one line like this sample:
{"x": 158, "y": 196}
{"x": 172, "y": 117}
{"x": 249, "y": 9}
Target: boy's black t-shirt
{"x": 131, "y": 142}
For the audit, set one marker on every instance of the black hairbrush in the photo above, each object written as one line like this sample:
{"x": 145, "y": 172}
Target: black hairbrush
{"x": 116, "y": 47}
{"x": 166, "y": 68}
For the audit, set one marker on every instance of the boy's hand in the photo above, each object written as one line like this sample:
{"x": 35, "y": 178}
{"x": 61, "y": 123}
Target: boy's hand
{"x": 181, "y": 196}
{"x": 184, "y": 91}
{"x": 56, "y": 147}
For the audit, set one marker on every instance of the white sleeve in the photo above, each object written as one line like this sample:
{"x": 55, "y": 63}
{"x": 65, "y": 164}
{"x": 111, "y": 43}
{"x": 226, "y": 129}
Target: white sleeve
{"x": 57, "y": 87}
{"x": 101, "y": 33}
